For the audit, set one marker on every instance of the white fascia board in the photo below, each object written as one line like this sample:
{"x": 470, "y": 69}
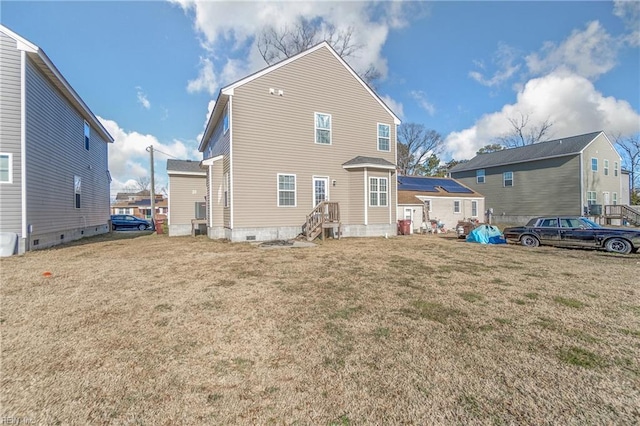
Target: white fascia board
{"x": 369, "y": 166}
{"x": 208, "y": 130}
{"x": 210, "y": 161}
{"x": 177, "y": 173}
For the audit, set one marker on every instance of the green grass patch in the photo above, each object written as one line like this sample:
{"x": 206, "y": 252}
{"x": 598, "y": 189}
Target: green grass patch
{"x": 519, "y": 301}
{"x": 471, "y": 297}
{"x": 381, "y": 332}
{"x": 503, "y": 321}
{"x": 547, "y": 323}
{"x": 532, "y": 296}
{"x": 163, "y": 307}
{"x": 436, "y": 311}
{"x": 581, "y": 357}
{"x": 566, "y": 301}
{"x": 627, "y": 332}
{"x": 345, "y": 313}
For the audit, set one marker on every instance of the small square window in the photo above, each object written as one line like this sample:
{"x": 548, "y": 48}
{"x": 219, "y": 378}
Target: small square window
{"x": 507, "y": 178}
{"x": 480, "y": 176}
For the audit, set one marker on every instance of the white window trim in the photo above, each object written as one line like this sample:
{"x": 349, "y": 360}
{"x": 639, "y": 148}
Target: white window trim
{"x": 378, "y": 191}
{"x": 225, "y": 194}
{"x": 77, "y": 190}
{"x": 316, "y": 128}
{"x": 614, "y": 198}
{"x": 591, "y": 166}
{"x": 483, "y": 176}
{"x": 615, "y": 168}
{"x": 477, "y": 204}
{"x": 295, "y": 190}
{"x": 605, "y": 167}
{"x": 313, "y": 187}
{"x": 504, "y": 180}
{"x": 86, "y": 138}
{"x": 225, "y": 113}
{"x": 595, "y": 197}
{"x": 459, "y": 209}
{"x": 378, "y": 140}
{"x": 10, "y": 177}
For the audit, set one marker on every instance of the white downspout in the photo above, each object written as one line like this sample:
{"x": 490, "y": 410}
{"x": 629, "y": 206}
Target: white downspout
{"x": 366, "y": 211}
{"x": 23, "y": 146}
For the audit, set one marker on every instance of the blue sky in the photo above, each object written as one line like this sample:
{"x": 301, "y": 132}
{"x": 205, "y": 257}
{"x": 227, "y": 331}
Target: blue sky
{"x": 150, "y": 70}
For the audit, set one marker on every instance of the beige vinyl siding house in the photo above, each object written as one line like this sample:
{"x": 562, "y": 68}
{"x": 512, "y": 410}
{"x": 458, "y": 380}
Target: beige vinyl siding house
{"x": 301, "y": 131}
{"x": 187, "y": 195}
{"x": 553, "y": 177}
{"x": 59, "y": 185}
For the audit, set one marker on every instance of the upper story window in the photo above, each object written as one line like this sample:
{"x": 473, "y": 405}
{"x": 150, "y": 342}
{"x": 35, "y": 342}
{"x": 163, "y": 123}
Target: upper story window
{"x": 87, "y": 135}
{"x": 480, "y": 176}
{"x": 615, "y": 168}
{"x": 456, "y": 206}
{"x": 6, "y": 168}
{"x": 605, "y": 167}
{"x": 594, "y": 164}
{"x": 225, "y": 119}
{"x": 378, "y": 190}
{"x": 77, "y": 187}
{"x": 323, "y": 128}
{"x": 384, "y": 137}
{"x": 286, "y": 190}
{"x": 507, "y": 178}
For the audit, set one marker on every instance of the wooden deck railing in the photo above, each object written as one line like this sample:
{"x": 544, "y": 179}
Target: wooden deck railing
{"x": 325, "y": 215}
{"x": 622, "y": 212}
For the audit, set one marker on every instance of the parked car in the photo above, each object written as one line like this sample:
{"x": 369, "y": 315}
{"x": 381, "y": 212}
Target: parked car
{"x": 574, "y": 231}
{"x": 126, "y": 221}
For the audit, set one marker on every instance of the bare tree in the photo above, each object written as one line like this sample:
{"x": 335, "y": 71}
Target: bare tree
{"x": 523, "y": 133}
{"x": 276, "y": 44}
{"x": 490, "y": 148}
{"x": 143, "y": 183}
{"x": 416, "y": 145}
{"x": 629, "y": 148}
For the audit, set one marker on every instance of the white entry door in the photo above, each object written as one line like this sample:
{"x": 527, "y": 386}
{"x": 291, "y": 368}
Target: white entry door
{"x": 320, "y": 190}
{"x": 408, "y": 215}
{"x": 605, "y": 195}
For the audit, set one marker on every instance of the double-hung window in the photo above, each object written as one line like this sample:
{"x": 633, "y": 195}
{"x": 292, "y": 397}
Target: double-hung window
{"x": 226, "y": 190}
{"x": 605, "y": 168}
{"x": 6, "y": 168}
{"x": 77, "y": 187}
{"x": 615, "y": 198}
{"x": 480, "y": 176}
{"x": 384, "y": 137}
{"x": 474, "y": 208}
{"x": 456, "y": 206}
{"x": 594, "y": 164}
{"x": 323, "y": 128}
{"x": 87, "y": 135}
{"x": 507, "y": 179}
{"x": 286, "y": 190}
{"x": 615, "y": 168}
{"x": 591, "y": 197}
{"x": 378, "y": 191}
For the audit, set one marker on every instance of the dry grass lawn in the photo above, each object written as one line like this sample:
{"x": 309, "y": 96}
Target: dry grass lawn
{"x": 146, "y": 329}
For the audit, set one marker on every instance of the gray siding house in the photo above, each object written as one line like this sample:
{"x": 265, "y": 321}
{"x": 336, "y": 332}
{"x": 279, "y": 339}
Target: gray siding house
{"x": 569, "y": 176}
{"x": 304, "y": 131}
{"x": 187, "y": 195}
{"x": 54, "y": 177}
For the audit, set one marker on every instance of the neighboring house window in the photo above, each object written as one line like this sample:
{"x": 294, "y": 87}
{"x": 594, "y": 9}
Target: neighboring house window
{"x": 507, "y": 178}
{"x": 323, "y": 128}
{"x": 6, "y": 168}
{"x": 225, "y": 119}
{"x": 77, "y": 186}
{"x": 377, "y": 192}
{"x": 384, "y": 137}
{"x": 615, "y": 198}
{"x": 226, "y": 189}
{"x": 591, "y": 197}
{"x": 480, "y": 176}
{"x": 615, "y": 168}
{"x": 605, "y": 167}
{"x": 87, "y": 135}
{"x": 427, "y": 204}
{"x": 594, "y": 164}
{"x": 456, "y": 206}
{"x": 474, "y": 208}
{"x": 286, "y": 190}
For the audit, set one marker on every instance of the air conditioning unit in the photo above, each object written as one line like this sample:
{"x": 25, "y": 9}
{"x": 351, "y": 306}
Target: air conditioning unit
{"x": 595, "y": 210}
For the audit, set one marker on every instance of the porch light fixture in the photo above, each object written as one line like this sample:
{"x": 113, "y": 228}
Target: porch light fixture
{"x": 333, "y": 182}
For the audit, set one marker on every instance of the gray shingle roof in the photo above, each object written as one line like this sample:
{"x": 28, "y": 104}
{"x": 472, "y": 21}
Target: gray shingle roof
{"x": 555, "y": 148}
{"x": 364, "y": 161}
{"x": 184, "y": 166}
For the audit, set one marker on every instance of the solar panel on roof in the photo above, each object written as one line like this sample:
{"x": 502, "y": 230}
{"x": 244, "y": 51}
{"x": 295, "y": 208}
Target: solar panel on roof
{"x": 407, "y": 183}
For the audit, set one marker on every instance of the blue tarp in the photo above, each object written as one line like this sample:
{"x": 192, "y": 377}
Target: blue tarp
{"x": 486, "y": 234}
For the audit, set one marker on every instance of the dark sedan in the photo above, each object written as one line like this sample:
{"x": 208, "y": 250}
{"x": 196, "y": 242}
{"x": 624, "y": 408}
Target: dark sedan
{"x": 126, "y": 221}
{"x": 574, "y": 231}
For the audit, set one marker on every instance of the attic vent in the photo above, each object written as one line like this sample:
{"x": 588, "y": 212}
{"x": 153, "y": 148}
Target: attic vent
{"x": 62, "y": 236}
{"x": 36, "y": 242}
{"x": 251, "y": 237}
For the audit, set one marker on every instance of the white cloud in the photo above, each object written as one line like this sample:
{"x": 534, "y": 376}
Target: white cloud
{"x": 395, "y": 106}
{"x": 235, "y": 25}
{"x": 589, "y": 53}
{"x": 421, "y": 98}
{"x": 505, "y": 58}
{"x": 129, "y": 159}
{"x": 142, "y": 98}
{"x": 212, "y": 104}
{"x": 570, "y": 101}
{"x": 629, "y": 12}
